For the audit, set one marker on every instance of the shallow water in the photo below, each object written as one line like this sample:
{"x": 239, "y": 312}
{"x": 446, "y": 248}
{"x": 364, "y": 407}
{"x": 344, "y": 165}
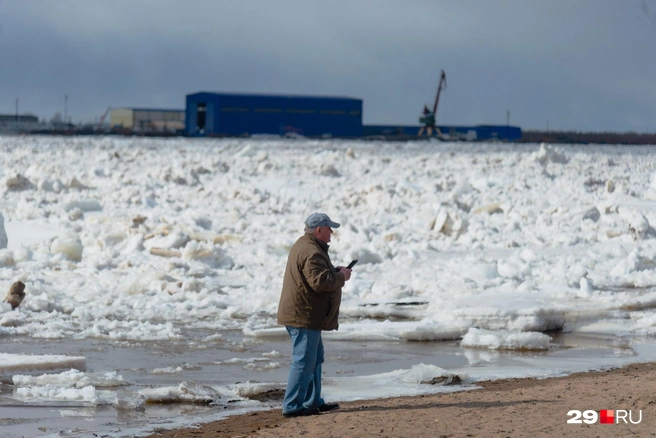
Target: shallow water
{"x": 135, "y": 361}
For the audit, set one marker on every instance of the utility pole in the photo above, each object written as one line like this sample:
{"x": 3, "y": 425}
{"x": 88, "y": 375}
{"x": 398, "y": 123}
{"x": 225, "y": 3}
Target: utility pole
{"x": 65, "y": 108}
{"x": 16, "y": 114}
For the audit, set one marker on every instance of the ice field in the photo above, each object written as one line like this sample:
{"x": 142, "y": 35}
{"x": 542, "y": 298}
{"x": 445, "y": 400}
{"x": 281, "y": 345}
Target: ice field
{"x": 153, "y": 270}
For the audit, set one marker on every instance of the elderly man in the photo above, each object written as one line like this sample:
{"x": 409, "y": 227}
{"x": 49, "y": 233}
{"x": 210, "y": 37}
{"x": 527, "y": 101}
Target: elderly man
{"x": 309, "y": 303}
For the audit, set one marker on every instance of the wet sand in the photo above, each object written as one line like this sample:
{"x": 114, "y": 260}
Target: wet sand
{"x": 505, "y": 408}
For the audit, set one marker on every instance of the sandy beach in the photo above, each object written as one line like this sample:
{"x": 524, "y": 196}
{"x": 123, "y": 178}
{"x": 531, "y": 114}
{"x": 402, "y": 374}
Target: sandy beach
{"x": 506, "y": 408}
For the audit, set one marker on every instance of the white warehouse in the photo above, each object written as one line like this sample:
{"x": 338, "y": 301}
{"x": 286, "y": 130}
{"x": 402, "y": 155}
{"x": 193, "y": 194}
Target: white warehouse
{"x": 144, "y": 120}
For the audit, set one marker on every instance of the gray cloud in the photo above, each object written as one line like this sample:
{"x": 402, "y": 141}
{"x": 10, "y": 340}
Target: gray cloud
{"x": 585, "y": 65}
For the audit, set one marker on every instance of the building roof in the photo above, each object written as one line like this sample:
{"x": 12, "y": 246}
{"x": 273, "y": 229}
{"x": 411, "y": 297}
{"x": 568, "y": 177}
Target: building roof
{"x": 21, "y": 118}
{"x": 150, "y": 109}
{"x": 289, "y": 96}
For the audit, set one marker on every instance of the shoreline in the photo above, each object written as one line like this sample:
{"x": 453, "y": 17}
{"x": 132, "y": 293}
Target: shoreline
{"x": 525, "y": 407}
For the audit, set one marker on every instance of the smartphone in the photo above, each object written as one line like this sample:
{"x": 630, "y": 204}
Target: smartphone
{"x": 350, "y": 265}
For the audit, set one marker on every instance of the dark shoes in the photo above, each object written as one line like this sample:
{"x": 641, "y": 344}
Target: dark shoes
{"x": 328, "y": 407}
{"x": 312, "y": 411}
{"x": 302, "y": 413}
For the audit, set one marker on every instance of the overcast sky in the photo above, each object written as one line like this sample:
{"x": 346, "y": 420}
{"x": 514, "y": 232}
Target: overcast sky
{"x": 586, "y": 65}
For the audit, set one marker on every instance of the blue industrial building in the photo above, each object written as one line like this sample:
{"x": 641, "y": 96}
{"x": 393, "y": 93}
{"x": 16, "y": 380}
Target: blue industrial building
{"x": 470, "y": 133}
{"x": 236, "y": 114}
{"x": 241, "y": 114}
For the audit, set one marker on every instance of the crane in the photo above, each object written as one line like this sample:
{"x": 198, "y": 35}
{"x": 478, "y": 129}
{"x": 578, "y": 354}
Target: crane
{"x": 102, "y": 119}
{"x": 428, "y": 117}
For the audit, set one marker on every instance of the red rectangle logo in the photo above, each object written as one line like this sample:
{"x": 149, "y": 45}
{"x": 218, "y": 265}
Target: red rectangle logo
{"x": 607, "y": 416}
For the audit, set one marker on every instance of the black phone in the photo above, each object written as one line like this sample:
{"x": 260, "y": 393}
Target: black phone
{"x": 350, "y": 265}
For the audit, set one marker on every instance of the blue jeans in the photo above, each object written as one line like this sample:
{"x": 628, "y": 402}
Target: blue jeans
{"x": 304, "y": 383}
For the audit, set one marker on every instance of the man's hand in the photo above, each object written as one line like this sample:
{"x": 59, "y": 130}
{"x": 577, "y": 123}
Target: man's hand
{"x": 346, "y": 272}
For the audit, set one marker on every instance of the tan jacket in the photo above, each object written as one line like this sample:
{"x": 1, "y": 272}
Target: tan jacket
{"x": 311, "y": 289}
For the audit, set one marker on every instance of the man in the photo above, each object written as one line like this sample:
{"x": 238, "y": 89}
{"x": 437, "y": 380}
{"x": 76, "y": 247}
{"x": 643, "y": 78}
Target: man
{"x": 309, "y": 303}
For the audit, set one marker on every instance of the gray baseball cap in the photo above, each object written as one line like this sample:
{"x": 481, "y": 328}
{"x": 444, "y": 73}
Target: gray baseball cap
{"x": 320, "y": 220}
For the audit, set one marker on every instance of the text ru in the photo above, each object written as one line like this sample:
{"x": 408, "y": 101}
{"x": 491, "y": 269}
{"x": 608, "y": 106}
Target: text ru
{"x": 605, "y": 416}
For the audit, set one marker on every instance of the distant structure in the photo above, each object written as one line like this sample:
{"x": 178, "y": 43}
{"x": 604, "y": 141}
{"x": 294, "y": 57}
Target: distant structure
{"x": 209, "y": 114}
{"x": 428, "y": 117}
{"x": 236, "y": 114}
{"x": 147, "y": 120}
{"x": 466, "y": 133}
{"x": 574, "y": 137}
{"x": 12, "y": 123}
